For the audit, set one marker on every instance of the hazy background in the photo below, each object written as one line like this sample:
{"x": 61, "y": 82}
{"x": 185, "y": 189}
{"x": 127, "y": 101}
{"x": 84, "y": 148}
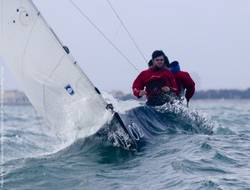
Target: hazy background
{"x": 211, "y": 39}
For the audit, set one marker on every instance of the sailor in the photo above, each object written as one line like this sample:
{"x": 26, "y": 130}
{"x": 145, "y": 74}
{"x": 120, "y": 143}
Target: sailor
{"x": 185, "y": 83}
{"x": 156, "y": 83}
{"x": 166, "y": 61}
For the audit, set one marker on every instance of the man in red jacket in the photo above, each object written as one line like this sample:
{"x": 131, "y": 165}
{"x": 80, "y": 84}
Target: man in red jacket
{"x": 155, "y": 82}
{"x": 183, "y": 80}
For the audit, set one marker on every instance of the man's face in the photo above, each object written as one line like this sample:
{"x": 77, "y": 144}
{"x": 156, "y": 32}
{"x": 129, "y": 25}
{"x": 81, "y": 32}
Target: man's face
{"x": 159, "y": 62}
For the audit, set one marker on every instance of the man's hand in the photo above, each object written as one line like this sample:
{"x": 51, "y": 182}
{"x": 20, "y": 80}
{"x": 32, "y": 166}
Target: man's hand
{"x": 165, "y": 89}
{"x": 142, "y": 93}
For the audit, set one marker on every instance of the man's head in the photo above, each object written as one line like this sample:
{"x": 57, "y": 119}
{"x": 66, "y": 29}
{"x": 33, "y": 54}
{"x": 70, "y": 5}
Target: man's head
{"x": 158, "y": 59}
{"x": 175, "y": 67}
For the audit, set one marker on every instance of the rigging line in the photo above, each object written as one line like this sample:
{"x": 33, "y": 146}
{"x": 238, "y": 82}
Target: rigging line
{"x": 103, "y": 35}
{"x": 126, "y": 29}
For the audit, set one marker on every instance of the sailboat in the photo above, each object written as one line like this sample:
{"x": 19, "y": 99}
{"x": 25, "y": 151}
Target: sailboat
{"x": 50, "y": 77}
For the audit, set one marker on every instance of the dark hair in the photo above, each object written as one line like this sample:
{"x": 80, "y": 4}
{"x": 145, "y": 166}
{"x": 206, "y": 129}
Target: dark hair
{"x": 150, "y": 63}
{"x": 166, "y": 61}
{"x": 158, "y": 53}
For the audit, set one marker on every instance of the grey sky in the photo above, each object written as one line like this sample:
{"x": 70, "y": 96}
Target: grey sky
{"x": 211, "y": 38}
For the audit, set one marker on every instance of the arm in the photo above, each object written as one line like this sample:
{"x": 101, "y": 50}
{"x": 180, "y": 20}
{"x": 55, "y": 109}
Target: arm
{"x": 138, "y": 86}
{"x": 189, "y": 85}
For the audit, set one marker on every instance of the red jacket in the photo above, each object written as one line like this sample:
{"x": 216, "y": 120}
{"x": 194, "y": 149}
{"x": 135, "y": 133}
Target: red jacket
{"x": 185, "y": 82}
{"x": 154, "y": 80}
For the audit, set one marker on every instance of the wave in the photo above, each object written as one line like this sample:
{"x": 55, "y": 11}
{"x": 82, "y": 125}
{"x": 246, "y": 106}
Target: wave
{"x": 144, "y": 123}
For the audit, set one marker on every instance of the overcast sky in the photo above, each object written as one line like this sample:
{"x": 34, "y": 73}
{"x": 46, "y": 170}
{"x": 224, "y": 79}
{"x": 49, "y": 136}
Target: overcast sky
{"x": 211, "y": 39}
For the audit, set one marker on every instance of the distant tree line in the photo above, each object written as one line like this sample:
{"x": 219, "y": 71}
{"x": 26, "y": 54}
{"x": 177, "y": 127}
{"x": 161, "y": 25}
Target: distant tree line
{"x": 18, "y": 98}
{"x": 222, "y": 94}
{"x": 203, "y": 94}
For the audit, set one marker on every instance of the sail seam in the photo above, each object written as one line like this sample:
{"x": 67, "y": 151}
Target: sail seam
{"x": 59, "y": 63}
{"x": 27, "y": 43}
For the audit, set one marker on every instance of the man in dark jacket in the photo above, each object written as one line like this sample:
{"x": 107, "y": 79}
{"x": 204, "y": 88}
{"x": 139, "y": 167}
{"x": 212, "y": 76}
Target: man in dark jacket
{"x": 155, "y": 81}
{"x": 184, "y": 81}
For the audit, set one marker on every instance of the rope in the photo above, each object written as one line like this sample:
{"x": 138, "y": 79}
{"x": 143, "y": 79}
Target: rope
{"x": 103, "y": 35}
{"x": 126, "y": 29}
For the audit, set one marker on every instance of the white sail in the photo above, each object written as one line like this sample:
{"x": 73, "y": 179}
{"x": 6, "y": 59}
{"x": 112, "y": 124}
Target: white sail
{"x": 54, "y": 84}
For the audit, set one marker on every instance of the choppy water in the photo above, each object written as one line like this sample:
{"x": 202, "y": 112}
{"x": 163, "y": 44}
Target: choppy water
{"x": 177, "y": 151}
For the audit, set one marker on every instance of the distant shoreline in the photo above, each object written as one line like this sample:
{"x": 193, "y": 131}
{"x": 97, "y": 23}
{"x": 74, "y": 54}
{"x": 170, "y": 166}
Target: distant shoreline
{"x": 15, "y": 97}
{"x": 229, "y": 94}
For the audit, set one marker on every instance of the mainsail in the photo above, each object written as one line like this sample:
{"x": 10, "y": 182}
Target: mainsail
{"x": 46, "y": 71}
